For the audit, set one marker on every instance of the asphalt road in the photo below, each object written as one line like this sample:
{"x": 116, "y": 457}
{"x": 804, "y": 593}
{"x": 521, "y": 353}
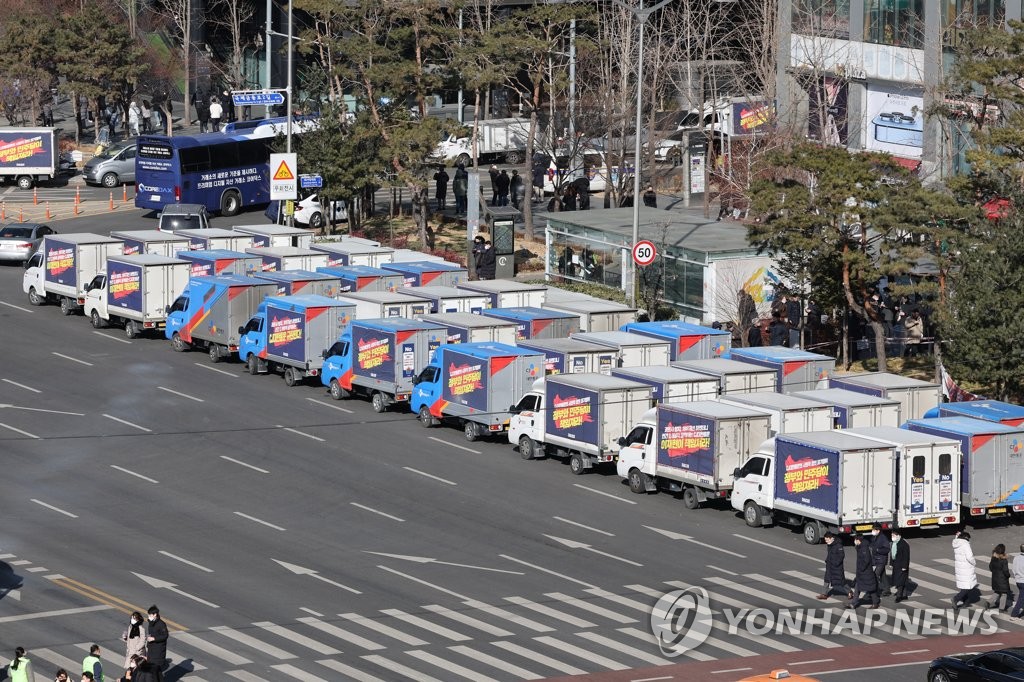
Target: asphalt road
{"x": 288, "y": 536}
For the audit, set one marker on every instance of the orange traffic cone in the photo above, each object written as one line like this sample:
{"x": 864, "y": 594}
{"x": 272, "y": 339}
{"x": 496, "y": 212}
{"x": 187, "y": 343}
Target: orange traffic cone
{"x": 78, "y": 196}
{"x": 35, "y": 197}
{"x": 21, "y": 215}
{"x": 111, "y": 200}
{"x": 48, "y": 216}
{"x": 3, "y": 210}
{"x": 124, "y": 194}
{"x": 76, "y": 208}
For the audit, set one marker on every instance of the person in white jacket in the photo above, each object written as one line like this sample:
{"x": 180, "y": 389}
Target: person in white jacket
{"x": 1017, "y": 568}
{"x": 963, "y": 569}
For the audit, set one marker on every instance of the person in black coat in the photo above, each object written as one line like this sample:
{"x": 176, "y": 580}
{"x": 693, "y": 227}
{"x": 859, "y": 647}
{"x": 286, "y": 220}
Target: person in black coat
{"x": 487, "y": 263}
{"x": 880, "y": 549}
{"x": 900, "y": 553}
{"x": 502, "y": 184}
{"x": 156, "y": 641}
{"x": 835, "y": 568}
{"x": 778, "y": 330}
{"x": 754, "y": 334}
{"x": 866, "y": 583}
{"x": 1000, "y": 568}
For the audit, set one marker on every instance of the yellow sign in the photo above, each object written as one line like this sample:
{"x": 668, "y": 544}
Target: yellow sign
{"x": 284, "y": 172}
{"x": 289, "y": 207}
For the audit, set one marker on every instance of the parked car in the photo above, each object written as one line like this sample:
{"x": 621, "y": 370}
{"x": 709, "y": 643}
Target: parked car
{"x": 1001, "y": 664}
{"x": 176, "y": 217}
{"x": 309, "y": 212}
{"x": 18, "y": 241}
{"x": 112, "y": 167}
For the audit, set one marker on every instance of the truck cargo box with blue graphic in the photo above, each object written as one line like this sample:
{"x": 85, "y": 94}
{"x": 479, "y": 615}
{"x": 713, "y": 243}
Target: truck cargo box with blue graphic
{"x": 917, "y": 398}
{"x": 987, "y": 410}
{"x": 688, "y": 341}
{"x": 202, "y": 239}
{"x": 851, "y": 409}
{"x": 447, "y": 299}
{"x": 207, "y": 262}
{"x": 672, "y": 384}
{"x": 363, "y": 278}
{"x": 537, "y": 323}
{"x": 572, "y": 356}
{"x": 797, "y": 370}
{"x": 279, "y": 258}
{"x": 210, "y": 310}
{"x": 428, "y": 273}
{"x": 154, "y": 242}
{"x": 296, "y": 282}
{"x": 347, "y": 253}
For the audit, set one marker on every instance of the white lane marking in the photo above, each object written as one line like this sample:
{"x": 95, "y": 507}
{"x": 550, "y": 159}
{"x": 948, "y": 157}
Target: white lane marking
{"x": 653, "y": 679}
{"x": 335, "y": 631}
{"x": 423, "y": 582}
{"x": 253, "y": 518}
{"x": 112, "y": 338}
{"x": 19, "y": 562}
{"x": 583, "y": 526}
{"x": 128, "y": 423}
{"x": 494, "y": 662}
{"x": 424, "y": 473}
{"x": 620, "y": 599}
{"x": 623, "y": 648}
{"x": 720, "y": 570}
{"x": 459, "y": 617}
{"x": 546, "y": 570}
{"x": 244, "y": 676}
{"x": 300, "y": 433}
{"x": 68, "y": 357}
{"x": 558, "y": 616}
{"x": 829, "y": 660}
{"x": 416, "y": 621}
{"x": 56, "y": 509}
{"x": 296, "y": 673}
{"x": 566, "y": 647}
{"x": 183, "y": 395}
{"x": 241, "y": 463}
{"x": 375, "y": 511}
{"x": 27, "y": 388}
{"x": 601, "y": 492}
{"x": 132, "y": 473}
{"x": 508, "y": 615}
{"x": 54, "y": 614}
{"x": 730, "y": 670}
{"x": 393, "y": 667}
{"x": 385, "y": 630}
{"x": 448, "y": 666}
{"x": 311, "y": 612}
{"x": 37, "y": 569}
{"x": 538, "y": 657}
{"x": 349, "y": 671}
{"x": 17, "y": 307}
{"x": 17, "y": 430}
{"x": 454, "y": 445}
{"x": 904, "y": 653}
{"x": 781, "y": 549}
{"x": 333, "y": 407}
{"x": 214, "y": 369}
{"x": 593, "y": 608}
{"x": 204, "y": 569}
{"x": 985, "y": 645}
{"x": 53, "y": 657}
{"x": 229, "y": 657}
{"x": 647, "y": 638}
{"x": 301, "y": 640}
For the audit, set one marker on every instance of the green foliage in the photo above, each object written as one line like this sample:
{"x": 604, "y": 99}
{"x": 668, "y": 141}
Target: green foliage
{"x": 27, "y": 54}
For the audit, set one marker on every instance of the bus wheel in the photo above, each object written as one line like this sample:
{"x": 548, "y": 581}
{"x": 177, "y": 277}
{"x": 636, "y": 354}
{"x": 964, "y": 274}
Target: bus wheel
{"x": 230, "y": 203}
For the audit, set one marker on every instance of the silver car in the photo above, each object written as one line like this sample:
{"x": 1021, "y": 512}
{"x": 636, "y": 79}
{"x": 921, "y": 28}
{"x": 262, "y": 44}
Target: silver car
{"x": 18, "y": 241}
{"x": 114, "y": 166}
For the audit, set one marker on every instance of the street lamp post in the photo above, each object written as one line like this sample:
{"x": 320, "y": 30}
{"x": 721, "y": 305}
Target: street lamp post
{"x": 642, "y": 14}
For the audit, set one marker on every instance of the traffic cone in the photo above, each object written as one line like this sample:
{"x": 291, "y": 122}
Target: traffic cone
{"x": 35, "y": 197}
{"x": 76, "y": 208}
{"x": 111, "y": 200}
{"x": 3, "y": 210}
{"x": 48, "y": 216}
{"x": 124, "y": 194}
{"x": 21, "y": 215}
{"x": 78, "y": 196}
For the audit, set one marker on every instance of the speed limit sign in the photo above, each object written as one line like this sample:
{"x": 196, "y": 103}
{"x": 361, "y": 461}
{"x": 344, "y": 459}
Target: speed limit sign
{"x": 644, "y": 252}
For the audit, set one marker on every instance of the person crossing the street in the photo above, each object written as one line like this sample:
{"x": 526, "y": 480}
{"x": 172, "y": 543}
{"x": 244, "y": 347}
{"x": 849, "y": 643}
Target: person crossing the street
{"x": 835, "y": 568}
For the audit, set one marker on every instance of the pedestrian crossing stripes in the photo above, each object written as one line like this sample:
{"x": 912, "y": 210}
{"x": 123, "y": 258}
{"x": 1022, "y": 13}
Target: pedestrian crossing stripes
{"x": 583, "y": 630}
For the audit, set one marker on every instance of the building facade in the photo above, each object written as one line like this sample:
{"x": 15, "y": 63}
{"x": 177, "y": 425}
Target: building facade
{"x": 863, "y": 73}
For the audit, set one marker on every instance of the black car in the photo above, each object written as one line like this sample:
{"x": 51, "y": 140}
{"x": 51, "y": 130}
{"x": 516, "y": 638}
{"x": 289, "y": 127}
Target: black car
{"x": 1002, "y": 665}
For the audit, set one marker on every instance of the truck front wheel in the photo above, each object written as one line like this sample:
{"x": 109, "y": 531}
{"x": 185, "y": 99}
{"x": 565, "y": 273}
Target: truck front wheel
{"x": 426, "y": 419}
{"x": 252, "y": 364}
{"x": 337, "y": 392}
{"x": 690, "y": 498}
{"x": 813, "y": 531}
{"x": 637, "y": 481}
{"x": 576, "y": 464}
{"x": 752, "y": 514}
{"x": 34, "y": 298}
{"x": 526, "y": 447}
{"x": 96, "y": 320}
{"x": 513, "y": 158}
{"x": 178, "y": 343}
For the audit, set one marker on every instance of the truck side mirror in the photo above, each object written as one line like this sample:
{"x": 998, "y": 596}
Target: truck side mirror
{"x": 622, "y": 441}
{"x": 324, "y": 354}
{"x": 241, "y": 329}
{"x": 514, "y": 409}
{"x": 416, "y": 379}
{"x": 737, "y": 472}
{"x": 167, "y": 310}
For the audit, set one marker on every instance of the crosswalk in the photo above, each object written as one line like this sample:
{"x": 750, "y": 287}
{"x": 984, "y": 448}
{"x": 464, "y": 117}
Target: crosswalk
{"x": 571, "y": 632}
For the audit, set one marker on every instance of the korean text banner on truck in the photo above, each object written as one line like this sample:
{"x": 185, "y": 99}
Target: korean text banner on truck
{"x": 124, "y": 288}
{"x": 686, "y": 441}
{"x": 573, "y": 413}
{"x": 22, "y": 149}
{"x": 61, "y": 266}
{"x": 806, "y": 476}
{"x": 287, "y": 333}
{"x": 465, "y": 380}
{"x": 375, "y": 354}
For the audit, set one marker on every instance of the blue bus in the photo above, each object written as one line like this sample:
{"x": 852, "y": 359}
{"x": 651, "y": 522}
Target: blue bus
{"x": 226, "y": 171}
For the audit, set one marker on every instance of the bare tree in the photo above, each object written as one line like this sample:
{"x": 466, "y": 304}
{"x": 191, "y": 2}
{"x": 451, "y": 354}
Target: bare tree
{"x": 178, "y": 14}
{"x": 232, "y": 16}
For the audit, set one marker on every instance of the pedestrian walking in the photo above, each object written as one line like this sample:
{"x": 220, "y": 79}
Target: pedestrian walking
{"x": 130, "y": 669}
{"x": 144, "y": 671}
{"x": 900, "y": 560}
{"x": 486, "y": 266}
{"x": 650, "y": 197}
{"x": 48, "y": 115}
{"x": 866, "y": 582}
{"x": 20, "y": 669}
{"x": 538, "y": 171}
{"x": 216, "y": 112}
{"x": 134, "y": 638}
{"x": 229, "y": 103}
{"x": 1018, "y": 577}
{"x": 87, "y": 676}
{"x": 964, "y": 570}
{"x": 203, "y": 112}
{"x": 61, "y": 676}
{"x": 147, "y": 114}
{"x": 504, "y": 182}
{"x": 441, "y": 191}
{"x": 880, "y": 549}
{"x": 92, "y": 664}
{"x": 460, "y": 186}
{"x": 1000, "y": 569}
{"x": 493, "y": 174}
{"x": 134, "y": 118}
{"x": 835, "y": 568}
{"x": 156, "y": 641}
{"x": 518, "y": 189}
{"x": 914, "y": 326}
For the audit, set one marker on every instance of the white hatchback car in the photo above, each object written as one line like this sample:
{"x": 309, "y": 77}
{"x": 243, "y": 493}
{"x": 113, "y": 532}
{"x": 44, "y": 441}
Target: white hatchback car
{"x": 310, "y": 213}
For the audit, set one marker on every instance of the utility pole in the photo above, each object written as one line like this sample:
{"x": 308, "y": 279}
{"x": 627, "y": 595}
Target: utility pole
{"x": 270, "y": 52}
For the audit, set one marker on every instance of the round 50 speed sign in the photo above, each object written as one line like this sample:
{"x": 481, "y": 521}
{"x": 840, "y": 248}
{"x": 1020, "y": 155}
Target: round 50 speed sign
{"x": 644, "y": 252}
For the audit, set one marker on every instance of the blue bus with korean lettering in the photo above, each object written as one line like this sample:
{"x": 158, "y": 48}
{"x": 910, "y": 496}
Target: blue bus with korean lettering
{"x": 225, "y": 171}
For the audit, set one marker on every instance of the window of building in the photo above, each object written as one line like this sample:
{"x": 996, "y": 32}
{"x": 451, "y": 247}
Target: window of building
{"x": 960, "y": 15}
{"x": 894, "y": 22}
{"x": 827, "y": 18}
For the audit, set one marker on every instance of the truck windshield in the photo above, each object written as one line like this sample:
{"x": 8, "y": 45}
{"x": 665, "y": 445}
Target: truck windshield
{"x": 428, "y": 375}
{"x": 180, "y": 303}
{"x": 529, "y": 403}
{"x": 640, "y": 434}
{"x": 338, "y": 349}
{"x": 254, "y": 325}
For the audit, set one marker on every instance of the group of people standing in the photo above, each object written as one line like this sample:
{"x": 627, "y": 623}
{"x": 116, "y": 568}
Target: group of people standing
{"x": 212, "y": 110}
{"x": 460, "y": 188}
{"x": 144, "y": 661}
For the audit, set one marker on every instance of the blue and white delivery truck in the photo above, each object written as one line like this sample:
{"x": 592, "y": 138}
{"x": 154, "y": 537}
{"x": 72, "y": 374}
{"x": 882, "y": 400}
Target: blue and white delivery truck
{"x": 221, "y": 262}
{"x": 688, "y": 341}
{"x": 537, "y": 323}
{"x": 356, "y": 278}
{"x": 296, "y": 282}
